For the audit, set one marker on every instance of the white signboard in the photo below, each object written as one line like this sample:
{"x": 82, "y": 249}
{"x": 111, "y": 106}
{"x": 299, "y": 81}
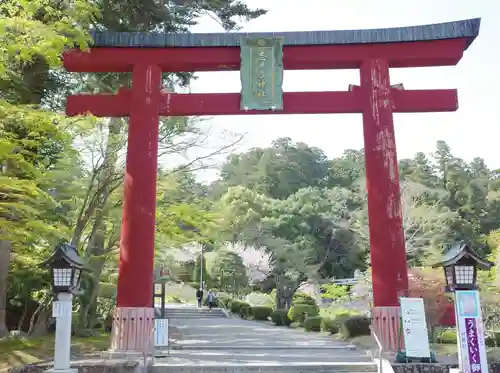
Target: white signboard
{"x": 471, "y": 331}
{"x": 61, "y": 309}
{"x": 161, "y": 332}
{"x": 415, "y": 327}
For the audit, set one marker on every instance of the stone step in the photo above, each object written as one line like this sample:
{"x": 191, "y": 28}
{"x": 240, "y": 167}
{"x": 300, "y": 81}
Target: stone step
{"x": 193, "y": 312}
{"x": 341, "y": 367}
{"x": 190, "y": 314}
{"x": 252, "y": 356}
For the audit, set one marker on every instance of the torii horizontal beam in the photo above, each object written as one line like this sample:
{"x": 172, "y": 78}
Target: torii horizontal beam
{"x": 198, "y": 104}
{"x": 307, "y": 57}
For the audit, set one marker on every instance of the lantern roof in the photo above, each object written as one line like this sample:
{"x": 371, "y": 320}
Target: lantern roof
{"x": 458, "y": 251}
{"x": 67, "y": 253}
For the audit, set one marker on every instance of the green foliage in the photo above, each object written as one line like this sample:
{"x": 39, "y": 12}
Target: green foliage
{"x": 313, "y": 323}
{"x": 235, "y": 305}
{"x": 261, "y": 313}
{"x": 245, "y": 310}
{"x": 224, "y": 301}
{"x": 172, "y": 298}
{"x": 448, "y": 336}
{"x": 329, "y": 325}
{"x": 492, "y": 339}
{"x": 260, "y": 299}
{"x": 280, "y": 318}
{"x": 303, "y": 298}
{"x": 227, "y": 271}
{"x": 356, "y": 326}
{"x": 299, "y": 312}
{"x": 199, "y": 269}
{"x": 335, "y": 292}
{"x": 333, "y": 321}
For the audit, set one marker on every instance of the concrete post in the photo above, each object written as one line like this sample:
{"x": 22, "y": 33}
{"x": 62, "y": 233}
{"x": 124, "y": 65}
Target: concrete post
{"x": 62, "y": 353}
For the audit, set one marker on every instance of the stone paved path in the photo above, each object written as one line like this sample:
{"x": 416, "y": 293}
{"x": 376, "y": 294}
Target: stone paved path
{"x": 222, "y": 341}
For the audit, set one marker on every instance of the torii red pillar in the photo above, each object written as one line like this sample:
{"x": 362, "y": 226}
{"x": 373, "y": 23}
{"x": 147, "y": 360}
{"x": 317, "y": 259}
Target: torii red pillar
{"x": 387, "y": 240}
{"x": 134, "y": 316}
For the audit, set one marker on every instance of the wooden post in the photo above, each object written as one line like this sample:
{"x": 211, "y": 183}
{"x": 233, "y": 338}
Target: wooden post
{"x": 387, "y": 242}
{"x": 134, "y": 312}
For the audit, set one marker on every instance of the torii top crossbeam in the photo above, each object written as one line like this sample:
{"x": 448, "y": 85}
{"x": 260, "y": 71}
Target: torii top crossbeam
{"x": 310, "y": 50}
{"x": 417, "y": 46}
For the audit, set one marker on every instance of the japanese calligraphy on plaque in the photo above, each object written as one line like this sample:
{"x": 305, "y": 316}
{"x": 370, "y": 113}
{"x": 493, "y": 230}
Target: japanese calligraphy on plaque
{"x": 471, "y": 332}
{"x": 261, "y": 73}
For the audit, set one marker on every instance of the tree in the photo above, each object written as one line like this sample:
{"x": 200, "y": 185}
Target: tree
{"x": 32, "y": 37}
{"x": 301, "y": 235}
{"x": 277, "y": 171}
{"x": 427, "y": 222}
{"x": 429, "y": 284}
{"x": 227, "y": 271}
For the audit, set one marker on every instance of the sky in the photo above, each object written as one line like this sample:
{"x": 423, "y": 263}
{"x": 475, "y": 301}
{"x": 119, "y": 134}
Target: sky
{"x": 472, "y": 131}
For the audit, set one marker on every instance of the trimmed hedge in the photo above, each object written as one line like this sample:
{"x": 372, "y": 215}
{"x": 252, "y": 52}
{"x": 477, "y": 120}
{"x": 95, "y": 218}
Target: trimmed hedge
{"x": 299, "y": 312}
{"x": 235, "y": 305}
{"x": 245, "y": 310}
{"x": 356, "y": 326}
{"x": 329, "y": 325}
{"x": 280, "y": 318}
{"x": 303, "y": 298}
{"x": 313, "y": 324}
{"x": 261, "y": 313}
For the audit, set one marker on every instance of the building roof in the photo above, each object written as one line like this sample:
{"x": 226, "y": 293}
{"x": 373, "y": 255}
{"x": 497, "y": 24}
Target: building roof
{"x": 450, "y": 30}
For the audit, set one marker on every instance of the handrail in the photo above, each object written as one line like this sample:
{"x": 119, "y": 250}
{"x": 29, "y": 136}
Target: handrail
{"x": 380, "y": 349}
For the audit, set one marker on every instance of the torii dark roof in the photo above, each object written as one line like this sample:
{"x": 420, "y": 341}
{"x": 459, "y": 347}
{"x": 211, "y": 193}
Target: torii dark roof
{"x": 450, "y": 30}
{"x": 458, "y": 251}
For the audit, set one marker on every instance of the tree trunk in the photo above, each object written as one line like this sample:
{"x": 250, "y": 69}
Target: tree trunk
{"x": 40, "y": 326}
{"x": 97, "y": 240}
{"x": 39, "y": 319}
{"x": 5, "y": 250}
{"x": 23, "y": 316}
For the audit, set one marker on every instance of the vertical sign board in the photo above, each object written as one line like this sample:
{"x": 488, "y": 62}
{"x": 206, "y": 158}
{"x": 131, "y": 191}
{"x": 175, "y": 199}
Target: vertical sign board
{"x": 161, "y": 332}
{"x": 261, "y": 73}
{"x": 471, "y": 331}
{"x": 415, "y": 327}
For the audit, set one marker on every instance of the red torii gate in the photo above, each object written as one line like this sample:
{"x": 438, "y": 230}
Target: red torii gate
{"x": 373, "y": 52}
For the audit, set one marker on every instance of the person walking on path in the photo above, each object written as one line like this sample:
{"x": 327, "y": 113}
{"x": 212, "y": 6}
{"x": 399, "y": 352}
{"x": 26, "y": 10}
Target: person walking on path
{"x": 210, "y": 300}
{"x": 199, "y": 296}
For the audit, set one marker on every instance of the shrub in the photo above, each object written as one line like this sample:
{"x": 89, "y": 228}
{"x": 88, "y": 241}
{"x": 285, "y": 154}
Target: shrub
{"x": 280, "y": 317}
{"x": 174, "y": 299}
{"x": 303, "y": 298}
{"x": 261, "y": 313}
{"x": 313, "y": 324}
{"x": 259, "y": 299}
{"x": 299, "y": 312}
{"x": 492, "y": 339}
{"x": 235, "y": 305}
{"x": 356, "y": 326}
{"x": 329, "y": 325}
{"x": 245, "y": 310}
{"x": 448, "y": 336}
{"x": 223, "y": 301}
